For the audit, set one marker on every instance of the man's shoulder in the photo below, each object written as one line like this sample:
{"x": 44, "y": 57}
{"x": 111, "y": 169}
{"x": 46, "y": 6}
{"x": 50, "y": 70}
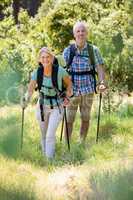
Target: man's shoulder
{"x": 95, "y": 47}
{"x": 66, "y": 52}
{"x": 69, "y": 46}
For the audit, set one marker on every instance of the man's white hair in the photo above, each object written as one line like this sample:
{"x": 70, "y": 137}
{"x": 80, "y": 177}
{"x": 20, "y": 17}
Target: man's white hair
{"x": 79, "y": 23}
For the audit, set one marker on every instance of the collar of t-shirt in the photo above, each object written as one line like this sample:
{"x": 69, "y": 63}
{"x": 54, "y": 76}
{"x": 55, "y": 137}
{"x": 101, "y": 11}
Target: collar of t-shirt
{"x": 79, "y": 50}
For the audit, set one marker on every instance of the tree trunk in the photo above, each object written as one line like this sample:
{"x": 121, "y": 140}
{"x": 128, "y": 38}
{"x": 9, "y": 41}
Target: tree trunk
{"x": 16, "y": 5}
{"x": 31, "y": 6}
{"x": 34, "y": 7}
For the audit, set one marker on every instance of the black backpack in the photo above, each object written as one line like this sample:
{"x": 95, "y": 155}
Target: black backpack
{"x": 54, "y": 77}
{"x": 59, "y": 93}
{"x": 92, "y": 60}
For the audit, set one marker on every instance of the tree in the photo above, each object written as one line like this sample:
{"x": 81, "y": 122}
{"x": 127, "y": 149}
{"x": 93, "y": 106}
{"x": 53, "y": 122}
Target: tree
{"x": 3, "y": 5}
{"x": 110, "y": 28}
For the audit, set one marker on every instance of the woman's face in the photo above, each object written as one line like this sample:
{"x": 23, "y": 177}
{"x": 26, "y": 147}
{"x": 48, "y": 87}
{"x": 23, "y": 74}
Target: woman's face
{"x": 46, "y": 59}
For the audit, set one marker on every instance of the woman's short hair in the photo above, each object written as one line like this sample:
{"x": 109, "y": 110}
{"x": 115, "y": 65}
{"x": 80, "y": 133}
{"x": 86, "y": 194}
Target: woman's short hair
{"x": 46, "y": 50}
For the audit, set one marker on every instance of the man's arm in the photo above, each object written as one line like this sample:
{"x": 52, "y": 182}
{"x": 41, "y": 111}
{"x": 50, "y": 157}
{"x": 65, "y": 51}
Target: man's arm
{"x": 101, "y": 78}
{"x": 99, "y": 64}
{"x": 101, "y": 73}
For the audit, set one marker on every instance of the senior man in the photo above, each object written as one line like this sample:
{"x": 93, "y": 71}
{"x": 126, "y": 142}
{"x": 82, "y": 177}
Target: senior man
{"x": 83, "y": 60}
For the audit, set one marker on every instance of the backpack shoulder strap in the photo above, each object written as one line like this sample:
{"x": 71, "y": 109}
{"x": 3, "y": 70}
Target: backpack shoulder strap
{"x": 72, "y": 54}
{"x": 55, "y": 71}
{"x": 91, "y": 53}
{"x": 55, "y": 74}
{"x": 92, "y": 61}
{"x": 39, "y": 76}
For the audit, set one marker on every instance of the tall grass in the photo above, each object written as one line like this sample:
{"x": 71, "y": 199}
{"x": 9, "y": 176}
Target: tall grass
{"x": 107, "y": 180}
{"x": 91, "y": 171}
{"x": 114, "y": 137}
{"x": 114, "y": 182}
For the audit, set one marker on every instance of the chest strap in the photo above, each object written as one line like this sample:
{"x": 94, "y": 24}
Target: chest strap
{"x": 82, "y": 73}
{"x": 91, "y": 72}
{"x": 50, "y": 98}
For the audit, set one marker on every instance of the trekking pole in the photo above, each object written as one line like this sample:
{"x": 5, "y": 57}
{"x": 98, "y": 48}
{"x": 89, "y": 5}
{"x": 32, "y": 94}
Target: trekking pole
{"x": 98, "y": 120}
{"x": 62, "y": 127}
{"x": 22, "y": 128}
{"x": 67, "y": 134}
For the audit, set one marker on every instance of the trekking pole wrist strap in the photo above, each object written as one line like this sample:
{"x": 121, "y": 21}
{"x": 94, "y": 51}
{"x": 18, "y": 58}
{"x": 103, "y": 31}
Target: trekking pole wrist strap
{"x": 27, "y": 96}
{"x": 102, "y": 82}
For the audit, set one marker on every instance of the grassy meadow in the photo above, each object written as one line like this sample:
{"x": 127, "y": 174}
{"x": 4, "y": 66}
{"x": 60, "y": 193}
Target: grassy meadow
{"x": 102, "y": 171}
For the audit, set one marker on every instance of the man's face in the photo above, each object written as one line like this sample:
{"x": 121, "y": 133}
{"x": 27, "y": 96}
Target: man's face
{"x": 80, "y": 34}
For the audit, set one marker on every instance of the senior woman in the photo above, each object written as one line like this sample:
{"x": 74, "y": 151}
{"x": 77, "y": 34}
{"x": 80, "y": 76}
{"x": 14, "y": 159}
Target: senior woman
{"x": 51, "y": 101}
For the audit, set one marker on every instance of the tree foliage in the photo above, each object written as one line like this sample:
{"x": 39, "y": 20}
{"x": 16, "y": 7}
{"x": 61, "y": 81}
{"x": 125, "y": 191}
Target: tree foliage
{"x": 110, "y": 28}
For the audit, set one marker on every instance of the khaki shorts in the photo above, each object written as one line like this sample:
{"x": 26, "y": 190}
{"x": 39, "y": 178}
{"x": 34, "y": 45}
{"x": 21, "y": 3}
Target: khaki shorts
{"x": 84, "y": 102}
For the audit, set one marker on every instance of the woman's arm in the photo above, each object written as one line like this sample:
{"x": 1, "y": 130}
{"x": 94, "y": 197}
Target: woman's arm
{"x": 31, "y": 87}
{"x": 25, "y": 100}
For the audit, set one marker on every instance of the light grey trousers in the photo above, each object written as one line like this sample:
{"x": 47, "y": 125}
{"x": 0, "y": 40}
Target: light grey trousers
{"x": 48, "y": 127}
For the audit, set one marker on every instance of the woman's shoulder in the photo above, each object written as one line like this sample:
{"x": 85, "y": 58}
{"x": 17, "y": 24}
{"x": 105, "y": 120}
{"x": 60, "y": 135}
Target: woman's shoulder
{"x": 34, "y": 74}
